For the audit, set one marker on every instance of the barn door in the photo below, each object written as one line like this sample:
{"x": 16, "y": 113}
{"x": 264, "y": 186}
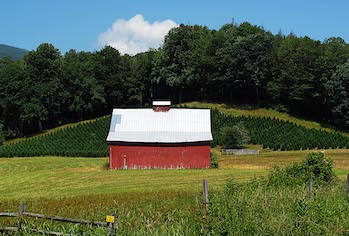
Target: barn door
{"x": 110, "y": 155}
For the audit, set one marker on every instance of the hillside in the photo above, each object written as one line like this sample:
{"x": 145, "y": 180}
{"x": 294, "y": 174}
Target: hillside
{"x": 86, "y": 139}
{"x": 13, "y": 52}
{"x": 263, "y": 112}
{"x": 168, "y": 202}
{"x": 270, "y": 129}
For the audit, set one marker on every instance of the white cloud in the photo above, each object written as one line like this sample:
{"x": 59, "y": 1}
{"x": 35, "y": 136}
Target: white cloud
{"x": 135, "y": 35}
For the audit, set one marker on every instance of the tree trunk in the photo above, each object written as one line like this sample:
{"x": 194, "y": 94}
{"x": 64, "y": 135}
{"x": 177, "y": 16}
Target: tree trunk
{"x": 40, "y": 126}
{"x": 81, "y": 115}
{"x": 180, "y": 95}
{"x": 257, "y": 95}
{"x": 231, "y": 96}
{"x": 151, "y": 94}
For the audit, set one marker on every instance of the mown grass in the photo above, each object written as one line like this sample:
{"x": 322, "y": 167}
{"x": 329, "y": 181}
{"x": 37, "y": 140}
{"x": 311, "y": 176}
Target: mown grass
{"x": 150, "y": 202}
{"x": 57, "y": 177}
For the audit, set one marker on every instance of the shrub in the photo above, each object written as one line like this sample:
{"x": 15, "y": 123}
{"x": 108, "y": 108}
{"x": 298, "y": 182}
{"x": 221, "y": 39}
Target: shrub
{"x": 214, "y": 161}
{"x": 281, "y": 108}
{"x": 315, "y": 165}
{"x": 234, "y": 136}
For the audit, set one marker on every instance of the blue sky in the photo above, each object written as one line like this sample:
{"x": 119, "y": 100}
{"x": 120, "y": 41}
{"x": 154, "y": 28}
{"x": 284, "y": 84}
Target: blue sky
{"x": 87, "y": 25}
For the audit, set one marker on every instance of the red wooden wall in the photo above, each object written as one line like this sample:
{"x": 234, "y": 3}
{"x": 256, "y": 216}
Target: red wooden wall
{"x": 139, "y": 156}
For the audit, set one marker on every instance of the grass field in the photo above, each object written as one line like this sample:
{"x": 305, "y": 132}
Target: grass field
{"x": 168, "y": 202}
{"x": 147, "y": 202}
{"x": 57, "y": 177}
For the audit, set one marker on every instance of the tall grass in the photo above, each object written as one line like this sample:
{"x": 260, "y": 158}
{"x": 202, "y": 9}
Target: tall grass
{"x": 280, "y": 204}
{"x": 256, "y": 208}
{"x": 253, "y": 208}
{"x": 262, "y": 206}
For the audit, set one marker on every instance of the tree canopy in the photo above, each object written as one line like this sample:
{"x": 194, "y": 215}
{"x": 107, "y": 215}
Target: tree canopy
{"x": 238, "y": 63}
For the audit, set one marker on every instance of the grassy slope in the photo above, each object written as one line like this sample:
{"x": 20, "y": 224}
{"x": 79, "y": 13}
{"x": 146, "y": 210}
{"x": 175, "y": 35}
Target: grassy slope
{"x": 57, "y": 177}
{"x": 262, "y": 112}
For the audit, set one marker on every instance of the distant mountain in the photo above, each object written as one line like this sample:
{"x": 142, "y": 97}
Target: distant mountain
{"x": 13, "y": 52}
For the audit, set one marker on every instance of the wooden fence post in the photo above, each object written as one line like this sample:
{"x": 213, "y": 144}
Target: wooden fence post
{"x": 205, "y": 203}
{"x": 20, "y": 216}
{"x": 205, "y": 196}
{"x": 310, "y": 187}
{"x": 111, "y": 226}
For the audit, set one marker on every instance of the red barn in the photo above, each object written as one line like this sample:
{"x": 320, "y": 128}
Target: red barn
{"x": 159, "y": 138}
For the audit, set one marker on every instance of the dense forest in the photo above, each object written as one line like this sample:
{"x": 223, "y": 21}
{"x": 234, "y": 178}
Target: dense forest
{"x": 239, "y": 63}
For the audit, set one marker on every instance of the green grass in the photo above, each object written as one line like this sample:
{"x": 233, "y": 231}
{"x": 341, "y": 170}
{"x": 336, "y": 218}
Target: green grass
{"x": 150, "y": 202}
{"x": 168, "y": 202}
{"x": 57, "y": 177}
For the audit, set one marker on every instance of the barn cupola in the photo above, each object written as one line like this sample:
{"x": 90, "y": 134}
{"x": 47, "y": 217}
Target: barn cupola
{"x": 161, "y": 106}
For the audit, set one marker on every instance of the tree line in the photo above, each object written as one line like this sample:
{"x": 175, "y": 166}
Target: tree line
{"x": 239, "y": 63}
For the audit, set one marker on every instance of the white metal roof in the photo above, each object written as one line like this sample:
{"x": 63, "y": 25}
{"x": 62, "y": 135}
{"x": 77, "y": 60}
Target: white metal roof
{"x": 173, "y": 126}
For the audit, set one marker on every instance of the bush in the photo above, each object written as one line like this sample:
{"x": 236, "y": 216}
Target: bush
{"x": 234, "y": 136}
{"x": 281, "y": 108}
{"x": 315, "y": 165}
{"x": 214, "y": 161}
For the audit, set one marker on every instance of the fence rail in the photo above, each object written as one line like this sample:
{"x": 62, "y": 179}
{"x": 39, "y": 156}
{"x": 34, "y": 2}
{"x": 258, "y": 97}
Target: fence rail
{"x": 240, "y": 152}
{"x": 111, "y": 220}
{"x": 9, "y": 214}
{"x": 45, "y": 232}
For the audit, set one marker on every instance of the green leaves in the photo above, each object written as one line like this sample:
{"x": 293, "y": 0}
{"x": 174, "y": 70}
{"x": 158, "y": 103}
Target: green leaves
{"x": 338, "y": 95}
{"x": 234, "y": 136}
{"x": 45, "y": 85}
{"x": 84, "y": 91}
{"x": 315, "y": 165}
{"x": 183, "y": 59}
